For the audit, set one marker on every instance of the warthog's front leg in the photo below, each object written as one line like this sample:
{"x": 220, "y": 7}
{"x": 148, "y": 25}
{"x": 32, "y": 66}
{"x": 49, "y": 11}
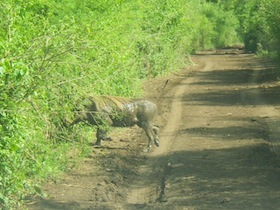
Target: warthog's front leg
{"x": 103, "y": 120}
{"x": 101, "y": 134}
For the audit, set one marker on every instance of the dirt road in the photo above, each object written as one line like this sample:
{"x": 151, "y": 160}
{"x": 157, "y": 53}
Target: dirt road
{"x": 219, "y": 146}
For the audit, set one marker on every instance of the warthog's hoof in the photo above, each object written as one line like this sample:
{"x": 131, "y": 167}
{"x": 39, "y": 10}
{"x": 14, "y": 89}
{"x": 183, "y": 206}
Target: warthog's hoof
{"x": 97, "y": 144}
{"x": 146, "y": 150}
{"x": 157, "y": 142}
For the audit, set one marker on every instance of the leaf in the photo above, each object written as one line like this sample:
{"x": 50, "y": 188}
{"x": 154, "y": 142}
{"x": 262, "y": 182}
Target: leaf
{"x": 2, "y": 71}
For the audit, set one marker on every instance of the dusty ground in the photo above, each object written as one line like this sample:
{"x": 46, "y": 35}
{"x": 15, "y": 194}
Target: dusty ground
{"x": 219, "y": 145}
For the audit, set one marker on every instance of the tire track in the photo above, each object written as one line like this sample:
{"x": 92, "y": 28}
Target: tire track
{"x": 142, "y": 191}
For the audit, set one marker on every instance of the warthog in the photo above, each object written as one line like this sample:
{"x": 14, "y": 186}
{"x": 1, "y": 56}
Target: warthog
{"x": 104, "y": 111}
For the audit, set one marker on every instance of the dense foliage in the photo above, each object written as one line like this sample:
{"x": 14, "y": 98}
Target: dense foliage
{"x": 52, "y": 52}
{"x": 258, "y": 24}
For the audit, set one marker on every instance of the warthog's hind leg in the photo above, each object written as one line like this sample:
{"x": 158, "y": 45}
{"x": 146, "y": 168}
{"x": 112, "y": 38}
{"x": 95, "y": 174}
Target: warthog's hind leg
{"x": 152, "y": 133}
{"x": 155, "y": 134}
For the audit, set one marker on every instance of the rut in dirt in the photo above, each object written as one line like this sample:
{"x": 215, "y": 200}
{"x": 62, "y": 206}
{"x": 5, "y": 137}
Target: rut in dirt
{"x": 220, "y": 147}
{"x": 150, "y": 186}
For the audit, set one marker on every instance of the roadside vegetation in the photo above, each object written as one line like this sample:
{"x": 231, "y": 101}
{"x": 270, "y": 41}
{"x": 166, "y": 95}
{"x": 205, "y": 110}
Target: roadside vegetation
{"x": 54, "y": 52}
{"x": 258, "y": 27}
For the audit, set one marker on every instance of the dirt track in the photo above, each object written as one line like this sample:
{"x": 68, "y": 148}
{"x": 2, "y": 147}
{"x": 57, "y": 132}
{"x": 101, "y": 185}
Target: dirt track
{"x": 219, "y": 146}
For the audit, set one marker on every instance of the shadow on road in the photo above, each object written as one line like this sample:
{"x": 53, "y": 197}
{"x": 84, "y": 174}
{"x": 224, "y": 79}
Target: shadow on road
{"x": 236, "y": 178}
{"x": 265, "y": 85}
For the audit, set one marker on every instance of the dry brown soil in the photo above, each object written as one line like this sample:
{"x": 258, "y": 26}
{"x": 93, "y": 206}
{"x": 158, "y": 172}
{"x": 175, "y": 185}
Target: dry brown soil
{"x": 219, "y": 147}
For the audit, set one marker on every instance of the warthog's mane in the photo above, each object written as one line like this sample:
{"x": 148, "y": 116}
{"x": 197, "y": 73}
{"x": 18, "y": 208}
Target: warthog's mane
{"x": 103, "y": 103}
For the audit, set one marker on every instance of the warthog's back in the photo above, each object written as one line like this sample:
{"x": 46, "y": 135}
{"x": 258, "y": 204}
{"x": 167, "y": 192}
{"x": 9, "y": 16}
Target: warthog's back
{"x": 107, "y": 103}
